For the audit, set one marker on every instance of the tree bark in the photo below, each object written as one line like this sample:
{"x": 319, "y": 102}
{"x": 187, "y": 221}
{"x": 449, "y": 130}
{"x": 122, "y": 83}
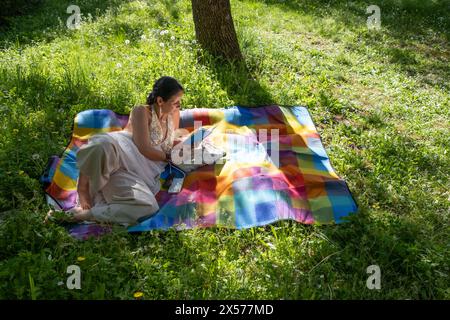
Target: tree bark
{"x": 214, "y": 28}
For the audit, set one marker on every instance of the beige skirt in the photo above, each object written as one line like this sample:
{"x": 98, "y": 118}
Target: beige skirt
{"x": 122, "y": 182}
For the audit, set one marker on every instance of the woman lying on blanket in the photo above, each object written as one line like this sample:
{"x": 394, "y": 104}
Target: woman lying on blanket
{"x": 119, "y": 171}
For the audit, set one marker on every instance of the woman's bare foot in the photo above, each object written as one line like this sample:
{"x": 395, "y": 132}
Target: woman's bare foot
{"x": 79, "y": 214}
{"x": 76, "y": 214}
{"x": 48, "y": 216}
{"x": 58, "y": 217}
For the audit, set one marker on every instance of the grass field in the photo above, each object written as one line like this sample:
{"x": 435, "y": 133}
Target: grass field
{"x": 380, "y": 100}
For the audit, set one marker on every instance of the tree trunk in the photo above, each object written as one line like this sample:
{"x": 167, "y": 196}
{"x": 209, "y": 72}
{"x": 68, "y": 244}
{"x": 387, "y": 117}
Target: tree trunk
{"x": 214, "y": 28}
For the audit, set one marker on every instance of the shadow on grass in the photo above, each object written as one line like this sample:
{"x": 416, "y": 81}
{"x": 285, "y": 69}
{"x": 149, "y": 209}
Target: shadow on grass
{"x": 40, "y": 115}
{"x": 402, "y": 18}
{"x": 47, "y": 20}
{"x": 238, "y": 81}
{"x": 400, "y": 227}
{"x": 409, "y": 254}
{"x": 415, "y": 34}
{"x": 385, "y": 167}
{"x": 172, "y": 8}
{"x": 14, "y": 8}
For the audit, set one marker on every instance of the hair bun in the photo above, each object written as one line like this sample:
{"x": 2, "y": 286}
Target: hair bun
{"x": 151, "y": 98}
{"x": 164, "y": 87}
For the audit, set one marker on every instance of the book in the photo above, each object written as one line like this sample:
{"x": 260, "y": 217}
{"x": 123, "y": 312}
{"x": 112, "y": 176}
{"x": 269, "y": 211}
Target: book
{"x": 196, "y": 151}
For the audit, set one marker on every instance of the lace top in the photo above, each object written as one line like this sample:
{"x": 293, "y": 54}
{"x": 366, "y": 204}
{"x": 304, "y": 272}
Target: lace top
{"x": 158, "y": 130}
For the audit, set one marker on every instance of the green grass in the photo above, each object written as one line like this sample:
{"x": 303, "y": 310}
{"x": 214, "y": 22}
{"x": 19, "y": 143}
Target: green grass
{"x": 380, "y": 100}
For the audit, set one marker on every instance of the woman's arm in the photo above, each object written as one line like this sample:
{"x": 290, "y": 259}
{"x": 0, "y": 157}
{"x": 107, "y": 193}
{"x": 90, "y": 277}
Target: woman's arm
{"x": 180, "y": 134}
{"x": 176, "y": 119}
{"x": 140, "y": 118}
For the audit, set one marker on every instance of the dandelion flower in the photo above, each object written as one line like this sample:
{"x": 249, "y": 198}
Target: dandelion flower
{"x": 271, "y": 246}
{"x": 81, "y": 258}
{"x": 138, "y": 294}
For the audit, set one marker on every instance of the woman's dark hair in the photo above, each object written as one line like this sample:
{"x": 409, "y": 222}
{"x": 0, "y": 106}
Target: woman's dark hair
{"x": 165, "y": 87}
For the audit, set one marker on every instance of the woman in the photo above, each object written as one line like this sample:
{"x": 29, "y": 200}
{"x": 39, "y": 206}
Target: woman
{"x": 119, "y": 171}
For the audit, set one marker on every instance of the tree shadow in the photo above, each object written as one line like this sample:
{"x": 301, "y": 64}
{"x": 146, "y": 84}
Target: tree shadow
{"x": 172, "y": 8}
{"x": 415, "y": 34}
{"x": 394, "y": 229}
{"x": 398, "y": 223}
{"x": 40, "y": 116}
{"x": 396, "y": 245}
{"x": 47, "y": 21}
{"x": 11, "y": 9}
{"x": 401, "y": 18}
{"x": 238, "y": 81}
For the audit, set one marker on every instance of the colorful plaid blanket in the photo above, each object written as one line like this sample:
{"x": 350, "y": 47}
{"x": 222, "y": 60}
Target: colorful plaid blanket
{"x": 276, "y": 168}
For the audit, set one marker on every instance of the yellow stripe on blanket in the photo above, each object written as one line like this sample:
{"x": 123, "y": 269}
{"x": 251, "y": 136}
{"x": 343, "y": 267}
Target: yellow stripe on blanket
{"x": 86, "y": 133}
{"x": 64, "y": 182}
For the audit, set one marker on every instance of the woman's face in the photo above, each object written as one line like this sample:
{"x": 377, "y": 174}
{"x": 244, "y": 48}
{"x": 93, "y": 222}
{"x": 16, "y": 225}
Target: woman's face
{"x": 174, "y": 102}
